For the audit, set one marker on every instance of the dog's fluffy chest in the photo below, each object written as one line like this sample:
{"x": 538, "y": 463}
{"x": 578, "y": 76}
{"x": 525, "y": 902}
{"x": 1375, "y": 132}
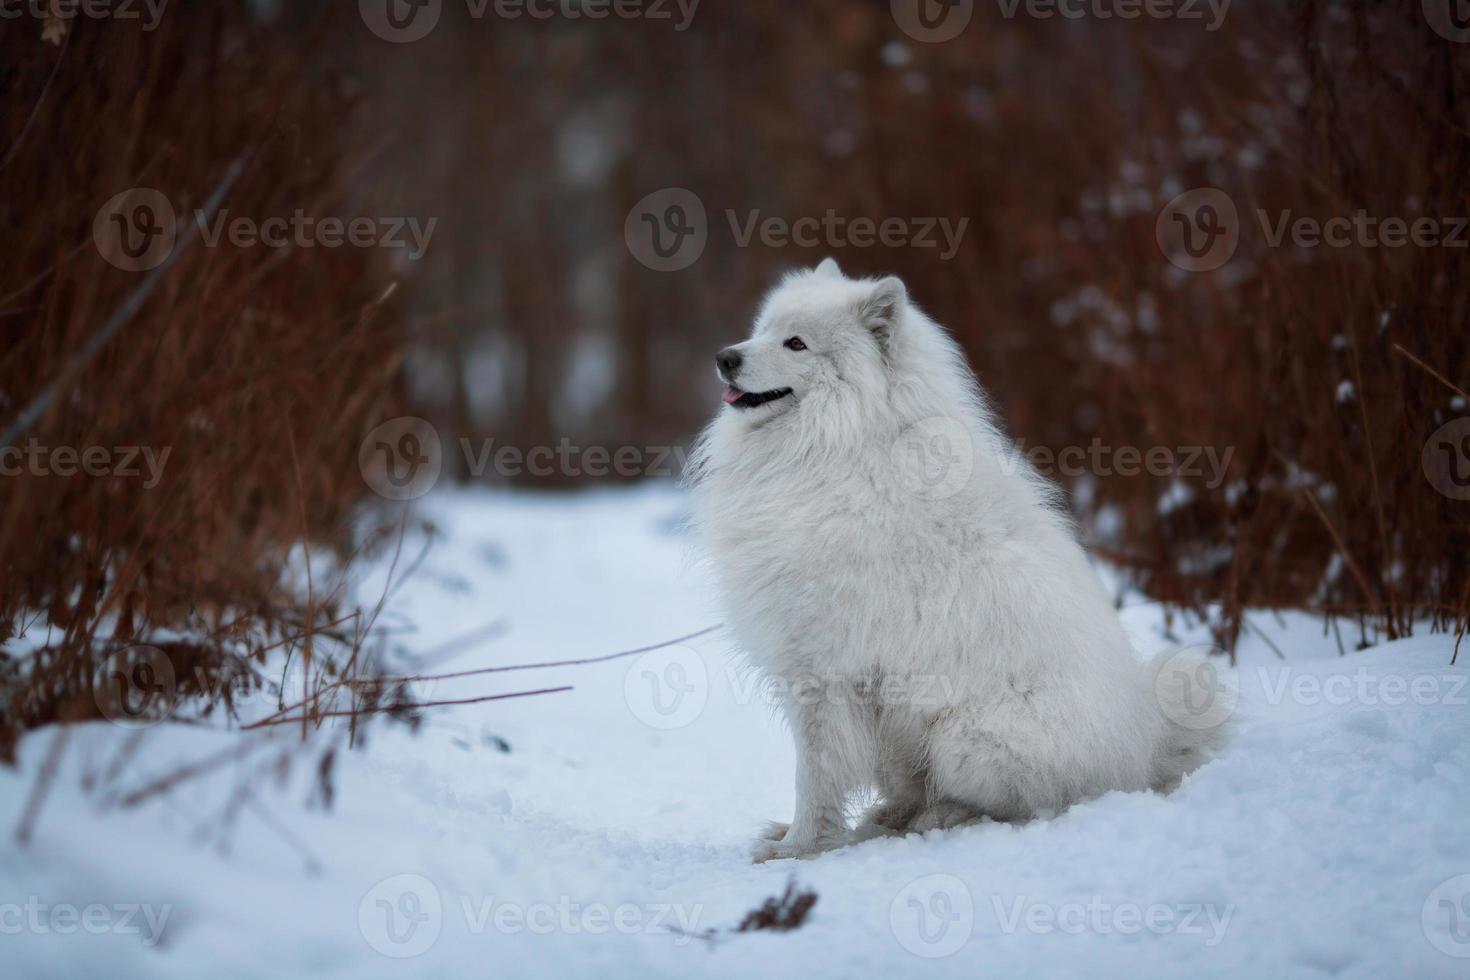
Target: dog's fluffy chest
{"x": 809, "y": 571}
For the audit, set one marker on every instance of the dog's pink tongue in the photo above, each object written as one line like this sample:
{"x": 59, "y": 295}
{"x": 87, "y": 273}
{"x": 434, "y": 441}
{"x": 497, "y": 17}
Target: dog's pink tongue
{"x": 731, "y": 395}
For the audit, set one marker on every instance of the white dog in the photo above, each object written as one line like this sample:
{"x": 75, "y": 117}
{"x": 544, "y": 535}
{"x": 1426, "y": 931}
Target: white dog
{"x": 908, "y": 583}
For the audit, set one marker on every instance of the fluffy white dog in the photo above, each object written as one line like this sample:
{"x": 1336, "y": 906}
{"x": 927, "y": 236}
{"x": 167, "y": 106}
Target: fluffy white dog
{"x": 908, "y": 583}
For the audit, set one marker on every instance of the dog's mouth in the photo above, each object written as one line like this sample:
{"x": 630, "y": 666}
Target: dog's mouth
{"x": 750, "y": 399}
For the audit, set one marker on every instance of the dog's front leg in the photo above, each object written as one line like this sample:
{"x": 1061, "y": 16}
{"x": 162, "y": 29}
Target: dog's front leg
{"x": 825, "y": 764}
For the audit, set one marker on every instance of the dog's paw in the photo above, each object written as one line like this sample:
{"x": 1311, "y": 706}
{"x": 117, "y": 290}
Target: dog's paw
{"x": 764, "y": 850}
{"x": 775, "y": 830}
{"x": 943, "y": 815}
{"x": 886, "y": 819}
{"x": 893, "y": 816}
{"x": 767, "y": 849}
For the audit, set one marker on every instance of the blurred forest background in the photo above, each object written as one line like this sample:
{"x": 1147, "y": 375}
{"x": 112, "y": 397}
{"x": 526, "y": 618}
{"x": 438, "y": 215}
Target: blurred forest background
{"x": 529, "y": 321}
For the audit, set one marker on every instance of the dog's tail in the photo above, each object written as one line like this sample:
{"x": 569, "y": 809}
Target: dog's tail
{"x": 1196, "y": 698}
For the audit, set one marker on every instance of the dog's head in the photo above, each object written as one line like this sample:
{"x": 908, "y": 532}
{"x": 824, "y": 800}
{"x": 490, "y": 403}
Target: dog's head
{"x": 817, "y": 333}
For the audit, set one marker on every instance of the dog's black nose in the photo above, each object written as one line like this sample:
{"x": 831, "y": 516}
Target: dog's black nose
{"x": 729, "y": 361}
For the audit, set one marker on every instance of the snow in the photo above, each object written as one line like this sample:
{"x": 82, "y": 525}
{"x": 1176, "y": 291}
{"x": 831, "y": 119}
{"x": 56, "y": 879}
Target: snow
{"x": 1180, "y": 494}
{"x": 1328, "y": 840}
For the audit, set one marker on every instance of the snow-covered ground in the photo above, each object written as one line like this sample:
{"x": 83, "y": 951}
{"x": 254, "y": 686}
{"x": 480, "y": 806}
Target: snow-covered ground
{"x": 1330, "y": 839}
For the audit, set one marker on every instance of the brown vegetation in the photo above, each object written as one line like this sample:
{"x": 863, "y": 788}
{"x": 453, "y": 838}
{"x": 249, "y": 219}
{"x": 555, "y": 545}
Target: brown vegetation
{"x": 249, "y": 375}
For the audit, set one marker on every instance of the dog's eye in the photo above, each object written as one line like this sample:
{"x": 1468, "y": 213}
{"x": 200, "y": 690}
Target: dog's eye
{"x": 795, "y": 343}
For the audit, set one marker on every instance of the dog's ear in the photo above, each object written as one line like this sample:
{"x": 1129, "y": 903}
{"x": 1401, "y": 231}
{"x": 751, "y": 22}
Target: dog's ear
{"x": 828, "y": 268}
{"x": 882, "y": 307}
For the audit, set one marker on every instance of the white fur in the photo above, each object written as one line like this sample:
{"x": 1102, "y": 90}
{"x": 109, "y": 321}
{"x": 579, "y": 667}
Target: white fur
{"x": 948, "y": 645}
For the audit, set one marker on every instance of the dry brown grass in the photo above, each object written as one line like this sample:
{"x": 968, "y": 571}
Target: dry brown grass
{"x": 257, "y": 370}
